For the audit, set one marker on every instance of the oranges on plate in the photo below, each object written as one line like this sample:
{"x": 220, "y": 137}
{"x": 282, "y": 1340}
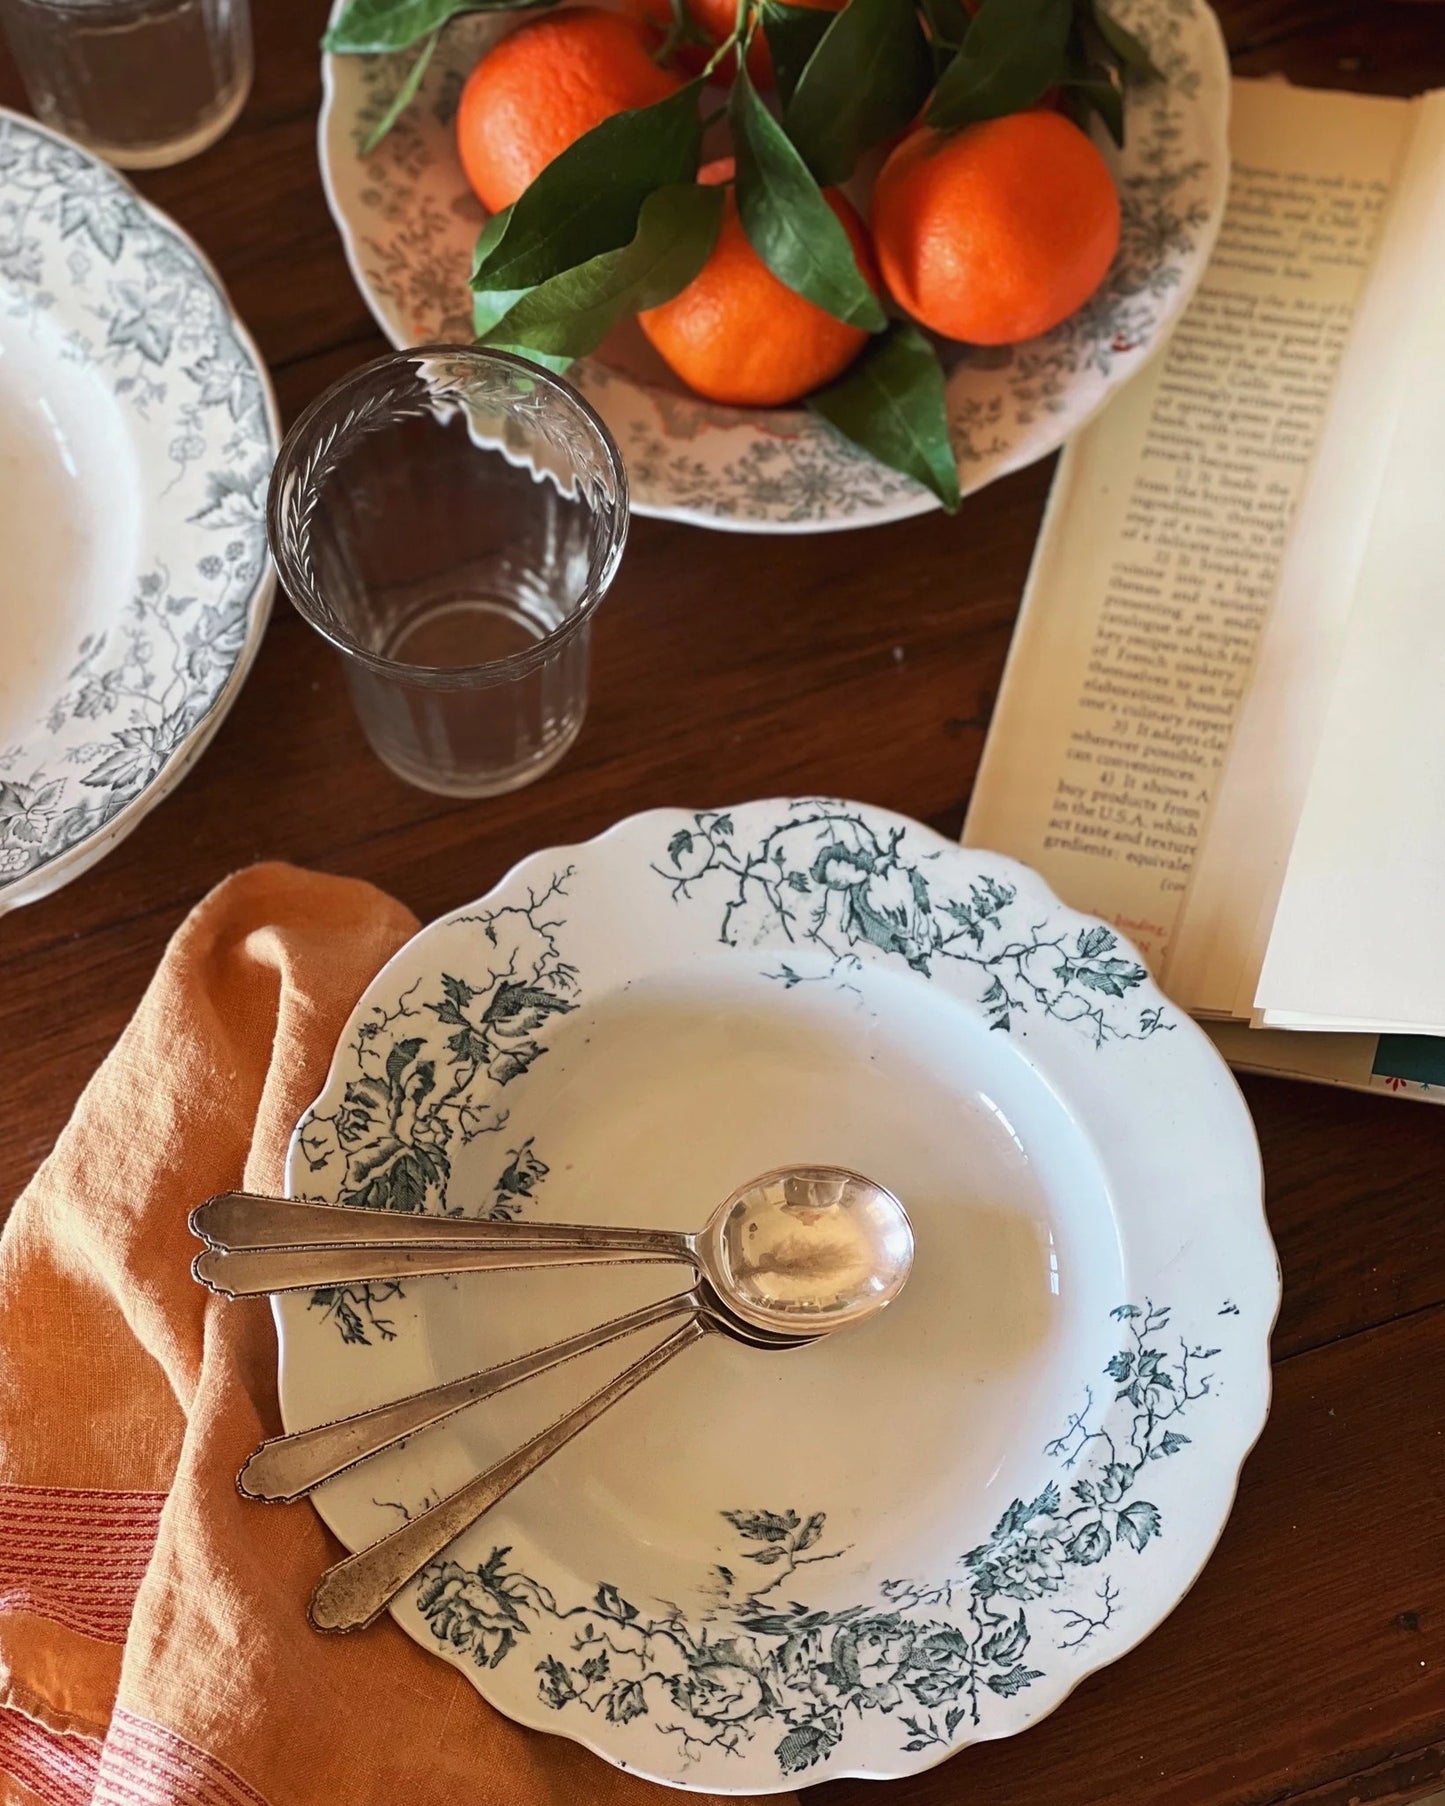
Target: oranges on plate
{"x": 905, "y": 175}
{"x": 988, "y": 235}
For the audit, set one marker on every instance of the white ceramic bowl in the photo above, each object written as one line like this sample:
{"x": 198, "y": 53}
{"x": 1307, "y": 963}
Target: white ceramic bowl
{"x": 767, "y": 1569}
{"x": 137, "y": 430}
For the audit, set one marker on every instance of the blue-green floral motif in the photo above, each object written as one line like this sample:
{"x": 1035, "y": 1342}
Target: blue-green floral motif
{"x": 428, "y": 1075}
{"x": 87, "y": 266}
{"x": 357, "y": 1310}
{"x": 826, "y": 880}
{"x": 933, "y": 1654}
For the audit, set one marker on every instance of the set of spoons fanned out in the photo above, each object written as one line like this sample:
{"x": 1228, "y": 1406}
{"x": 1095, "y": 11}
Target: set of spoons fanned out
{"x": 794, "y": 1255}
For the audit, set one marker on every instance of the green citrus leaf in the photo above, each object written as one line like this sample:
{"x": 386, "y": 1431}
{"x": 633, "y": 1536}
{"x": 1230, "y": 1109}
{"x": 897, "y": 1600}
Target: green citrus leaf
{"x": 1013, "y": 51}
{"x": 587, "y": 200}
{"x": 571, "y": 314}
{"x": 559, "y": 366}
{"x": 866, "y": 80}
{"x": 792, "y": 34}
{"x": 892, "y": 403}
{"x": 489, "y": 238}
{"x": 1090, "y": 90}
{"x": 788, "y": 223}
{"x": 368, "y": 26}
{"x": 403, "y": 97}
{"x": 1132, "y": 54}
{"x": 488, "y": 305}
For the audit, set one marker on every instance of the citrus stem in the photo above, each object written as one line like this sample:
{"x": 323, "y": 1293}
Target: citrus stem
{"x": 681, "y": 31}
{"x": 941, "y": 41}
{"x": 722, "y": 49}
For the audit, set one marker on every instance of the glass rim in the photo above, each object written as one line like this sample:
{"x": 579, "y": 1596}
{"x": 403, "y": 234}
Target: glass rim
{"x": 301, "y": 590}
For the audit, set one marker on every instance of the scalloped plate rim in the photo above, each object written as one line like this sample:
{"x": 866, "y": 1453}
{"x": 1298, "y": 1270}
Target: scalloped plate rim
{"x": 76, "y": 860}
{"x": 534, "y": 1714}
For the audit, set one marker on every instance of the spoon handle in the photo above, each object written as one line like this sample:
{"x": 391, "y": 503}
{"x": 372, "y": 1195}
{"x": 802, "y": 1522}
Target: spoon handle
{"x": 239, "y": 1219}
{"x": 251, "y": 1272}
{"x": 286, "y": 1467}
{"x": 356, "y": 1590}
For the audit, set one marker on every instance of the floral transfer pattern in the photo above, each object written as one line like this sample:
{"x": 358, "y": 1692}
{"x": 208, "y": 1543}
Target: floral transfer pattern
{"x": 840, "y": 888}
{"x": 82, "y": 256}
{"x": 819, "y": 890}
{"x": 788, "y": 1633}
{"x": 409, "y": 223}
{"x": 935, "y": 1656}
{"x": 429, "y": 1075}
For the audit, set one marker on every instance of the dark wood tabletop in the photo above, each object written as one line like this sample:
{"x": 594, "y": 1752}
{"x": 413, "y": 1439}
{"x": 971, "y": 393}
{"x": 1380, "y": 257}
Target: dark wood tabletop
{"x": 1308, "y": 1663}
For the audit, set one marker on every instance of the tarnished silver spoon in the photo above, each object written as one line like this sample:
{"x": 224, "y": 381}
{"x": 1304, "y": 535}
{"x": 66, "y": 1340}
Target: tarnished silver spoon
{"x": 288, "y": 1467}
{"x": 802, "y": 1249}
{"x": 357, "y": 1590}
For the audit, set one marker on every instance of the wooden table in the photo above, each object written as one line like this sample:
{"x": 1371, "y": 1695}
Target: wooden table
{"x": 1309, "y": 1661}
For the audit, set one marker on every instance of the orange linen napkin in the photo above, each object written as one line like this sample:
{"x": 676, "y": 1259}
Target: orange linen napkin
{"x": 154, "y": 1649}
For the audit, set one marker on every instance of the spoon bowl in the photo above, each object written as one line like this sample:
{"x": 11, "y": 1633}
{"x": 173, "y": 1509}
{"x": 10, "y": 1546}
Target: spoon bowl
{"x": 806, "y": 1250}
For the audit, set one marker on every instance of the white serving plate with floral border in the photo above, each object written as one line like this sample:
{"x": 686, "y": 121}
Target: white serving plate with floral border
{"x": 139, "y": 412}
{"x": 409, "y": 223}
{"x": 764, "y": 1570}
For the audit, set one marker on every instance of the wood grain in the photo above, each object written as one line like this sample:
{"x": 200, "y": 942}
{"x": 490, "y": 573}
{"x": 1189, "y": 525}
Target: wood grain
{"x": 1306, "y": 1664}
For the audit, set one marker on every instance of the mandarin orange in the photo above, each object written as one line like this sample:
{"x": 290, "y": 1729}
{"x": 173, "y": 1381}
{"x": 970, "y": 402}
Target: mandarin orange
{"x": 998, "y": 232}
{"x": 737, "y": 334}
{"x": 545, "y": 85}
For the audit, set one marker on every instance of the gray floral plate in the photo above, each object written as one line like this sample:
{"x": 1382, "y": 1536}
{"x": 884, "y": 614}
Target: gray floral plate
{"x": 763, "y": 1570}
{"x": 137, "y": 431}
{"x": 409, "y": 222}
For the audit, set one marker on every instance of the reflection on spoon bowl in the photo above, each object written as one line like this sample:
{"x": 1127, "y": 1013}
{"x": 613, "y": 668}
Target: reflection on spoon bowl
{"x": 808, "y": 1248}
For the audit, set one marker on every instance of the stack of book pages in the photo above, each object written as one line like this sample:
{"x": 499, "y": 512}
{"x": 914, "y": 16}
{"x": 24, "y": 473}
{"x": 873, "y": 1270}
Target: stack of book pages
{"x": 1222, "y": 723}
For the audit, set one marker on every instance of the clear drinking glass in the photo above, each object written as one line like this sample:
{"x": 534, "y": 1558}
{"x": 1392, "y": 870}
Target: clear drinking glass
{"x": 140, "y": 82}
{"x": 450, "y": 517}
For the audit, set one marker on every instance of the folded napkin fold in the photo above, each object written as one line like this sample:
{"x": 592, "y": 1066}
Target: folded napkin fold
{"x": 154, "y": 1649}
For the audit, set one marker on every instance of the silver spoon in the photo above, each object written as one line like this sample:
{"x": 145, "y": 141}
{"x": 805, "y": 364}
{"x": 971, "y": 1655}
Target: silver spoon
{"x": 800, "y": 1249}
{"x": 286, "y": 1468}
{"x": 355, "y": 1591}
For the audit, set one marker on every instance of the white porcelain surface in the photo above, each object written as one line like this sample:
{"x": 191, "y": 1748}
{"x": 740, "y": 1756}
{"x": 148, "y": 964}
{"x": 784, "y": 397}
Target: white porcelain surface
{"x": 764, "y": 1569}
{"x": 137, "y": 430}
{"x": 409, "y": 223}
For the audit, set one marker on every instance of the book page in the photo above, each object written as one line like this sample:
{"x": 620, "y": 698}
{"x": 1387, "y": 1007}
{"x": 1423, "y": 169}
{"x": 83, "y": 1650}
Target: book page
{"x": 1160, "y": 552}
{"x": 1219, "y": 943}
{"x": 1356, "y": 941}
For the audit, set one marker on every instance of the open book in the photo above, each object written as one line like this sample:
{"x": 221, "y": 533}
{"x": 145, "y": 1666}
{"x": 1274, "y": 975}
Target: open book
{"x": 1222, "y": 724}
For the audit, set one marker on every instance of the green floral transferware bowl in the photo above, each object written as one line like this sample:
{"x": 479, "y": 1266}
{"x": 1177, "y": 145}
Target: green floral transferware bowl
{"x": 137, "y": 431}
{"x": 853, "y": 1558}
{"x": 409, "y": 223}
